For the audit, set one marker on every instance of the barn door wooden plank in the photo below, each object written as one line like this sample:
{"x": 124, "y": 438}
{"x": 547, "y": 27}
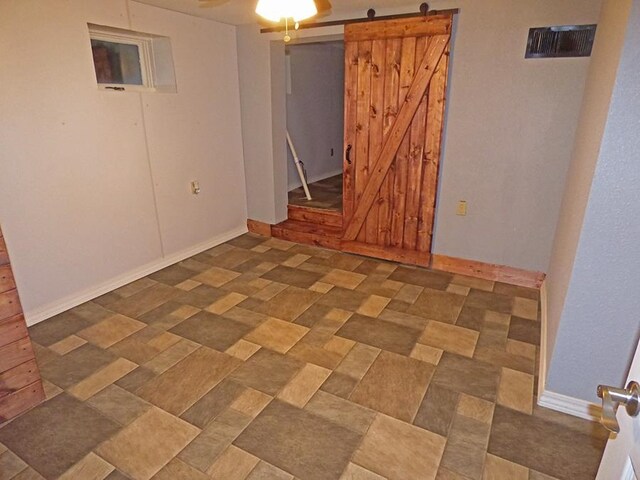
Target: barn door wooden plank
{"x": 391, "y": 91}
{"x": 405, "y": 116}
{"x": 362, "y": 124}
{"x": 350, "y": 110}
{"x": 414, "y": 164}
{"x": 376, "y": 127}
{"x": 433, "y": 148}
{"x": 407, "y": 73}
{"x": 399, "y": 28}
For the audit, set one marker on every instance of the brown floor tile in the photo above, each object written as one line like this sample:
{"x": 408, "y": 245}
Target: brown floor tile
{"x": 76, "y": 366}
{"x": 289, "y": 304}
{"x": 450, "y": 338}
{"x": 251, "y": 402}
{"x": 437, "y": 305}
{"x": 516, "y": 291}
{"x": 316, "y": 355}
{"x": 292, "y": 276}
{"x": 118, "y": 404}
{"x": 212, "y": 404}
{"x": 10, "y": 465}
{"x": 299, "y": 442}
{"x": 202, "y": 452}
{"x": 394, "y": 385}
{"x": 421, "y": 277}
{"x": 144, "y": 301}
{"x": 172, "y": 275}
{"x": 524, "y": 330}
{"x": 211, "y": 330}
{"x": 356, "y": 472}
{"x": 381, "y": 334}
{"x": 90, "y": 467}
{"x": 404, "y": 319}
{"x": 544, "y": 446}
{"x": 135, "y": 379}
{"x": 177, "y": 469}
{"x": 28, "y": 474}
{"x": 341, "y": 412}
{"x": 182, "y": 385}
{"x": 489, "y": 301}
{"x": 496, "y": 468}
{"x": 102, "y": 379}
{"x": 277, "y": 335}
{"x": 304, "y": 385}
{"x": 67, "y": 345}
{"x": 56, "y": 434}
{"x": 57, "y": 328}
{"x": 476, "y": 408}
{"x": 516, "y": 390}
{"x": 141, "y": 449}
{"x": 339, "y": 384}
{"x": 468, "y": 376}
{"x": 437, "y": 410}
{"x": 265, "y": 471}
{"x": 267, "y": 371}
{"x": 397, "y": 450}
{"x": 428, "y": 354}
{"x": 343, "y": 298}
{"x": 172, "y": 355}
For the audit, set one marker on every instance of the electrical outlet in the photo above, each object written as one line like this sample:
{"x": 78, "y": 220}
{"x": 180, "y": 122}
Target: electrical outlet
{"x": 462, "y": 208}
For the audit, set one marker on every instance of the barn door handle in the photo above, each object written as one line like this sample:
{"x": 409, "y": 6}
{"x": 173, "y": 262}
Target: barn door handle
{"x": 348, "y": 154}
{"x": 612, "y": 397}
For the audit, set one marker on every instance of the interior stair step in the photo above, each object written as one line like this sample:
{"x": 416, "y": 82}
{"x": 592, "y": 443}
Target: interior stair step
{"x": 327, "y": 236}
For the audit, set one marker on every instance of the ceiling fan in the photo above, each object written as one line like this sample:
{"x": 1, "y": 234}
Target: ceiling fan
{"x": 323, "y": 7}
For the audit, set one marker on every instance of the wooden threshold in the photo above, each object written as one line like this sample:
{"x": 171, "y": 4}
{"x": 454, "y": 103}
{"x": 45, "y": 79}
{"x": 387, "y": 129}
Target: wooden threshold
{"x": 488, "y": 271}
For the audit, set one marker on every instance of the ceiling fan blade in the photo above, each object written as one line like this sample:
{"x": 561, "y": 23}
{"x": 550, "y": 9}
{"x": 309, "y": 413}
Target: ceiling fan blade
{"x": 211, "y": 3}
{"x": 323, "y": 6}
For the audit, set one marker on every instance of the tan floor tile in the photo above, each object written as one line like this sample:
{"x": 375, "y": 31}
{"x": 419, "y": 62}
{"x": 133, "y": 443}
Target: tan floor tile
{"x": 171, "y": 356}
{"x": 148, "y": 444}
{"x": 111, "y": 330}
{"x": 458, "y": 289}
{"x": 343, "y": 278}
{"x": 296, "y": 260}
{"x": 304, "y": 385}
{"x": 185, "y": 311}
{"x": 496, "y": 468}
{"x": 177, "y": 469}
{"x": 397, "y": 450}
{"x": 10, "y": 465}
{"x": 67, "y": 345}
{"x": 277, "y": 335}
{"x": 265, "y": 267}
{"x": 341, "y": 412}
{"x": 338, "y": 315}
{"x": 91, "y": 467}
{"x": 278, "y": 244}
{"x": 339, "y": 345}
{"x": 226, "y": 303}
{"x": 495, "y": 317}
{"x": 523, "y": 349}
{"x": 260, "y": 249}
{"x": 450, "y": 338}
{"x": 251, "y": 402}
{"x": 188, "y": 285}
{"x": 358, "y": 360}
{"x": 446, "y": 474}
{"x": 525, "y": 308}
{"x": 516, "y": 390}
{"x": 259, "y": 283}
{"x": 409, "y": 293}
{"x": 476, "y": 408}
{"x": 28, "y": 474}
{"x": 473, "y": 282}
{"x": 118, "y": 404}
{"x": 233, "y": 464}
{"x": 373, "y": 306}
{"x": 321, "y": 287}
{"x": 216, "y": 277}
{"x": 164, "y": 341}
{"x": 392, "y": 285}
{"x": 186, "y": 382}
{"x": 102, "y": 378}
{"x": 394, "y": 385}
{"x": 356, "y": 472}
{"x": 270, "y": 291}
{"x": 242, "y": 349}
{"x": 425, "y": 353}
{"x": 266, "y": 471}
{"x": 50, "y": 390}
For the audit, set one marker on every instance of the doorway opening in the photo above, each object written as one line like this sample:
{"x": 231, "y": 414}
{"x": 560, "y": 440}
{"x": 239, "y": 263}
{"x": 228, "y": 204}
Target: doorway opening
{"x": 315, "y": 123}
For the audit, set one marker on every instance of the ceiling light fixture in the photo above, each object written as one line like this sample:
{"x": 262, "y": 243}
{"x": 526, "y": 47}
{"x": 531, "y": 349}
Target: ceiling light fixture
{"x": 276, "y": 10}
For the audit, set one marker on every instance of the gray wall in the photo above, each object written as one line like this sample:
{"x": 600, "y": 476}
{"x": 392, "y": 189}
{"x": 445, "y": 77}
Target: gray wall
{"x": 594, "y": 298}
{"x": 510, "y": 129}
{"x": 315, "y": 105}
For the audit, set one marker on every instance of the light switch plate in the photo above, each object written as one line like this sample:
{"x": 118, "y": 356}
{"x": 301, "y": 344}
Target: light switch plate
{"x": 462, "y": 208}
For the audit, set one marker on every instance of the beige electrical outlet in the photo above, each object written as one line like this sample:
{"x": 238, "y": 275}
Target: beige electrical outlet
{"x": 462, "y": 208}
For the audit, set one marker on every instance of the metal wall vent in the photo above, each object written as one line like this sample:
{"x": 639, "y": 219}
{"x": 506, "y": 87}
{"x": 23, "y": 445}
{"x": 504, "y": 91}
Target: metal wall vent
{"x": 563, "y": 41}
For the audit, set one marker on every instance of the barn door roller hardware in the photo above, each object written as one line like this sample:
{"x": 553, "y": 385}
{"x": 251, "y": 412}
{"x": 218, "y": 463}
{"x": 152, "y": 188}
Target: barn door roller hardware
{"x": 371, "y": 17}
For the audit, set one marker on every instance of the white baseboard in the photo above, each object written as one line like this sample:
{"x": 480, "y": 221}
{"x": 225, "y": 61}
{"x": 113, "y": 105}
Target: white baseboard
{"x": 570, "y": 405}
{"x": 54, "y": 308}
{"x": 556, "y": 401}
{"x": 315, "y": 178}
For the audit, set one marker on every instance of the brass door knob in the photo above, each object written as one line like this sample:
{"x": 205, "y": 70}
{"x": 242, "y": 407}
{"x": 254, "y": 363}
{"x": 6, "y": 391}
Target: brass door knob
{"x": 612, "y": 397}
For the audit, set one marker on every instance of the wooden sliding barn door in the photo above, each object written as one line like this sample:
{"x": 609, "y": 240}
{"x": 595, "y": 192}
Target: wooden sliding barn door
{"x": 395, "y": 82}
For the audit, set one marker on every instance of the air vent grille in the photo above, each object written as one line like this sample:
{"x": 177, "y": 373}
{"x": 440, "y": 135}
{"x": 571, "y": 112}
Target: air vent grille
{"x": 563, "y": 41}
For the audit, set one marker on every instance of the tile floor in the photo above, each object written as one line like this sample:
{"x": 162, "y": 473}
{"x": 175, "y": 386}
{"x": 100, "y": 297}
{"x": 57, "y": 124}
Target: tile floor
{"x": 263, "y": 359}
{"x": 325, "y": 194}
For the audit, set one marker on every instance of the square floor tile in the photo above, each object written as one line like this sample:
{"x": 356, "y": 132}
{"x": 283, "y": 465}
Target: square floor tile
{"x": 450, "y": 338}
{"x": 468, "y": 376}
{"x": 379, "y": 333}
{"x": 437, "y": 305}
{"x": 211, "y": 330}
{"x": 267, "y": 371}
{"x": 148, "y": 444}
{"x": 75, "y": 366}
{"x": 56, "y": 434}
{"x": 277, "y": 335}
{"x": 306, "y": 445}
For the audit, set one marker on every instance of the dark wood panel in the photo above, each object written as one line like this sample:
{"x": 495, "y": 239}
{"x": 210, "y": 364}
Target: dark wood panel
{"x": 12, "y": 329}
{"x": 15, "y": 353}
{"x": 417, "y": 26}
{"x": 318, "y": 216}
{"x": 21, "y": 401}
{"x": 18, "y": 377}
{"x": 9, "y": 304}
{"x": 259, "y": 228}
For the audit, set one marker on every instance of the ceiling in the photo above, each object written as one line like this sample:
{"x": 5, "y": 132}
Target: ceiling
{"x": 239, "y": 12}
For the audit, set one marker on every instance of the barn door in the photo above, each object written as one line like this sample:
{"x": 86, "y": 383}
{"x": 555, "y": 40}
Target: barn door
{"x": 395, "y": 82}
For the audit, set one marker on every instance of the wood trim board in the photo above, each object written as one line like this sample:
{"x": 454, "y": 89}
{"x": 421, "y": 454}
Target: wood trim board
{"x": 259, "y": 228}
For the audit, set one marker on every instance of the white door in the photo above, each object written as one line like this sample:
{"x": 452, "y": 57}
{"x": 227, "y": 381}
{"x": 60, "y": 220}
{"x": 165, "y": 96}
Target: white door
{"x": 621, "y": 459}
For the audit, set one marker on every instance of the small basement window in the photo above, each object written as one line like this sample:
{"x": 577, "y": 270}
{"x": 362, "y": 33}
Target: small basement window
{"x": 126, "y": 60}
